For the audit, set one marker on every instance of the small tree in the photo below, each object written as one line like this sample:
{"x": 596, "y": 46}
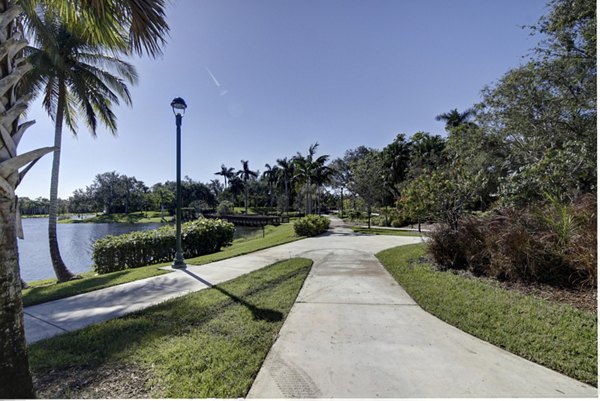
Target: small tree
{"x": 367, "y": 180}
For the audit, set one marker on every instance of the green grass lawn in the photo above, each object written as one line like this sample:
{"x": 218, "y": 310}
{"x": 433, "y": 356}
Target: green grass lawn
{"x": 560, "y": 337}
{"x": 385, "y": 231}
{"x": 49, "y": 290}
{"x": 207, "y": 344}
{"x": 137, "y": 217}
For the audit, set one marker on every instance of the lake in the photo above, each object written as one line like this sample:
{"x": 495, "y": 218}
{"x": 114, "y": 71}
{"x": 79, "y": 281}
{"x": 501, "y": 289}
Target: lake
{"x": 75, "y": 243}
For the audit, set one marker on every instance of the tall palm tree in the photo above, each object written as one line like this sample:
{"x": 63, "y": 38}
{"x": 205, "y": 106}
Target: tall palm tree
{"x": 323, "y": 176}
{"x": 454, "y": 118}
{"x": 285, "y": 169}
{"x": 307, "y": 170}
{"x": 106, "y": 21}
{"x": 246, "y": 174}
{"x": 76, "y": 78}
{"x": 270, "y": 174}
{"x": 226, "y": 172}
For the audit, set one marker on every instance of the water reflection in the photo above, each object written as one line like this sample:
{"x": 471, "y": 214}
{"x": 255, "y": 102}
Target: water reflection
{"x": 75, "y": 242}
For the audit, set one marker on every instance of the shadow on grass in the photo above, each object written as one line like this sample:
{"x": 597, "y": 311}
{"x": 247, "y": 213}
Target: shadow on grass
{"x": 268, "y": 315}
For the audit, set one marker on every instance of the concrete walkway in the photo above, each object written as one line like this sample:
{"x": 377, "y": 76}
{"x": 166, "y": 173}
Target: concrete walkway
{"x": 353, "y": 331}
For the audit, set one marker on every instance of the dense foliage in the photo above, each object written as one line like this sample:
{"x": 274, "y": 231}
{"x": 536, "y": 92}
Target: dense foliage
{"x": 311, "y": 225}
{"x": 554, "y": 244}
{"x": 142, "y": 248}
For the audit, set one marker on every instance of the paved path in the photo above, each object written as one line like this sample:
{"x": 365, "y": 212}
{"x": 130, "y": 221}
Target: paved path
{"x": 353, "y": 331}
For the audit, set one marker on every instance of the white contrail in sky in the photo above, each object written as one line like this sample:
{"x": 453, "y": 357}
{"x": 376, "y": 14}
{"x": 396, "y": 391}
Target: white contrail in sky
{"x": 213, "y": 78}
{"x": 223, "y": 92}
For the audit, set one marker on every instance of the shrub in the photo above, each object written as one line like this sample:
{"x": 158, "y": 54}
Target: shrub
{"x": 311, "y": 225}
{"x": 142, "y": 248}
{"x": 225, "y": 207}
{"x": 555, "y": 244}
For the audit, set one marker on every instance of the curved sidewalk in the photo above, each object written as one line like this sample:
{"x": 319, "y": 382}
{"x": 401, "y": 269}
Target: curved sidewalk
{"x": 353, "y": 331}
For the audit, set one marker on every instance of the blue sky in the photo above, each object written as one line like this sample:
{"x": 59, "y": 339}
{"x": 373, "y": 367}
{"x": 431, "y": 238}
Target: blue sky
{"x": 286, "y": 74}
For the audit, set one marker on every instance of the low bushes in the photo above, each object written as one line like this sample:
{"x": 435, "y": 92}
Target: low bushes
{"x": 141, "y": 248}
{"x": 554, "y": 245}
{"x": 311, "y": 225}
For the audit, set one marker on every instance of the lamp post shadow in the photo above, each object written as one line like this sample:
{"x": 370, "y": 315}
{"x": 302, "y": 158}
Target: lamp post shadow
{"x": 268, "y": 315}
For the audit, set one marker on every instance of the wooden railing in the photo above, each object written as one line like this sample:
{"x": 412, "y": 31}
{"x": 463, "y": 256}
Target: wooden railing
{"x": 250, "y": 220}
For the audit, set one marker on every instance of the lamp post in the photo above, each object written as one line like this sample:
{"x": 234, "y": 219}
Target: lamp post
{"x": 179, "y": 106}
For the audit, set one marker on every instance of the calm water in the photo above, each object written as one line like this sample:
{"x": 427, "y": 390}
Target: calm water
{"x": 75, "y": 242}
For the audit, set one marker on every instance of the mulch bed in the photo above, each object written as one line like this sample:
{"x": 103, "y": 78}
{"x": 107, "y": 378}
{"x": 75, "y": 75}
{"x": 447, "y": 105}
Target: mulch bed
{"x": 106, "y": 381}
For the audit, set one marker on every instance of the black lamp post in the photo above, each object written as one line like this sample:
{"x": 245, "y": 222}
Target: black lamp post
{"x": 179, "y": 106}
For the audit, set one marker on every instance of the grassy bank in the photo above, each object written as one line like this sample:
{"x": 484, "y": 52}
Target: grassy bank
{"x": 207, "y": 344}
{"x": 49, "y": 290}
{"x": 560, "y": 337}
{"x": 138, "y": 217}
{"x": 386, "y": 231}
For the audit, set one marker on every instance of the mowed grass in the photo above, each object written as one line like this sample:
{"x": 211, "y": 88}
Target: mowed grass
{"x": 560, "y": 337}
{"x": 137, "y": 217}
{"x": 49, "y": 290}
{"x": 203, "y": 345}
{"x": 384, "y": 231}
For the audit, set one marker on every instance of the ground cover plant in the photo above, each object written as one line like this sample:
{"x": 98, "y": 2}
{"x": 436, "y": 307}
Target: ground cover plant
{"x": 558, "y": 336}
{"x": 207, "y": 344}
{"x": 49, "y": 290}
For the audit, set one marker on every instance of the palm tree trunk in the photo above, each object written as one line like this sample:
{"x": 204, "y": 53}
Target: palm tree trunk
{"x": 246, "y": 196}
{"x": 60, "y": 269}
{"x": 287, "y": 198}
{"x": 15, "y": 379}
{"x": 14, "y": 366}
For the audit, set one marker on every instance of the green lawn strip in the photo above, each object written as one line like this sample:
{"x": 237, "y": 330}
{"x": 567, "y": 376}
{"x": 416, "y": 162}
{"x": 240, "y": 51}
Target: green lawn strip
{"x": 138, "y": 217}
{"x": 207, "y": 344}
{"x": 49, "y": 290}
{"x": 560, "y": 337}
{"x": 385, "y": 231}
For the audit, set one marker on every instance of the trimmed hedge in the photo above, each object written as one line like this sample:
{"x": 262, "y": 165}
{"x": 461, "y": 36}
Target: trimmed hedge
{"x": 142, "y": 248}
{"x": 311, "y": 225}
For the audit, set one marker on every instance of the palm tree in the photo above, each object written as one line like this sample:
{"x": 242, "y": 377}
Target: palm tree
{"x": 323, "y": 176}
{"x": 285, "y": 169}
{"x": 307, "y": 170}
{"x": 106, "y": 21}
{"x": 75, "y": 77}
{"x": 270, "y": 174}
{"x": 454, "y": 118}
{"x": 246, "y": 174}
{"x": 226, "y": 173}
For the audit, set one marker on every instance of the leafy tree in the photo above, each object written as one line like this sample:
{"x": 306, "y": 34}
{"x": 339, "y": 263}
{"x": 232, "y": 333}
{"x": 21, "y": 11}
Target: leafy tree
{"x": 395, "y": 159}
{"x": 426, "y": 153}
{"x": 107, "y": 21}
{"x": 340, "y": 178}
{"x": 246, "y": 174}
{"x": 544, "y": 112}
{"x": 368, "y": 180}
{"x": 162, "y": 196}
{"x": 216, "y": 187}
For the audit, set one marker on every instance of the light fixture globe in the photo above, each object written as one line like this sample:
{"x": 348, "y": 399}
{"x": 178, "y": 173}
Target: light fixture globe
{"x": 179, "y": 106}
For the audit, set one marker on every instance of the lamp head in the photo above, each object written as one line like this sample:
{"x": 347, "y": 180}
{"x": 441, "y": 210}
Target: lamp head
{"x": 179, "y": 106}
